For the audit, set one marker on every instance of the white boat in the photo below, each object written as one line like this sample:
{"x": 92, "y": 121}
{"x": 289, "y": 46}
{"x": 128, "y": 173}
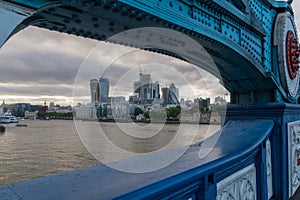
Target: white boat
{"x": 8, "y": 119}
{"x": 5, "y": 119}
{"x": 13, "y": 119}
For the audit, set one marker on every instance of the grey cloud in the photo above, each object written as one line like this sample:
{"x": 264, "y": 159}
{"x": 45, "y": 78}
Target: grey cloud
{"x": 47, "y": 90}
{"x": 296, "y": 7}
{"x": 27, "y": 69}
{"x": 40, "y": 56}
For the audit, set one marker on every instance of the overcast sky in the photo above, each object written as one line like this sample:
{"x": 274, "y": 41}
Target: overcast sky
{"x": 39, "y": 65}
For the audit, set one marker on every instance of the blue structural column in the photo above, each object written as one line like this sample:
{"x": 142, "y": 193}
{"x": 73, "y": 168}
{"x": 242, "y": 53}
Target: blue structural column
{"x": 210, "y": 186}
{"x": 282, "y": 114}
{"x": 261, "y": 173}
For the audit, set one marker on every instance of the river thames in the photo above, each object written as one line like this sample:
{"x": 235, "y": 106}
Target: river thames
{"x": 54, "y": 146}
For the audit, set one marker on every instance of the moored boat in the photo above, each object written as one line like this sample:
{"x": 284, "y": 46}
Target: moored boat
{"x": 5, "y": 119}
{"x": 13, "y": 119}
{"x": 2, "y": 129}
{"x": 8, "y": 119}
{"x": 21, "y": 125}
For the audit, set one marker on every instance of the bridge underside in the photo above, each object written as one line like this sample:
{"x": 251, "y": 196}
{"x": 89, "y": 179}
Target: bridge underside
{"x": 242, "y": 72}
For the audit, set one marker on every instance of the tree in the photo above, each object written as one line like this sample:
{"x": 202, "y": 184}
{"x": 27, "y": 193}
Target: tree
{"x": 137, "y": 111}
{"x": 201, "y": 109}
{"x": 172, "y": 113}
{"x": 55, "y": 115}
{"x": 5, "y": 109}
{"x": 146, "y": 115}
{"x": 41, "y": 114}
{"x": 158, "y": 115}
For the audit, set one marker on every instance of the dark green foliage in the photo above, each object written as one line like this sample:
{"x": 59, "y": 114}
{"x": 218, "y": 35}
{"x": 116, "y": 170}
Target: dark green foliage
{"x": 173, "y": 113}
{"x": 137, "y": 111}
{"x": 55, "y": 115}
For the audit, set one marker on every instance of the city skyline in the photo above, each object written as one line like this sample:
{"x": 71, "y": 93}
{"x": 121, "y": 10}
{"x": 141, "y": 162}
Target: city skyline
{"x": 39, "y": 65}
{"x": 145, "y": 89}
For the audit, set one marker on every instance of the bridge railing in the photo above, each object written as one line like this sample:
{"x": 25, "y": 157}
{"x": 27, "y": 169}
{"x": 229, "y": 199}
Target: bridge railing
{"x": 236, "y": 167}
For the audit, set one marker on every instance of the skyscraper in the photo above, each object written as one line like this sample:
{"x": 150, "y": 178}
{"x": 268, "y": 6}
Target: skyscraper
{"x": 170, "y": 95}
{"x": 203, "y": 103}
{"x": 103, "y": 90}
{"x": 174, "y": 94}
{"x": 165, "y": 94}
{"x": 155, "y": 90}
{"x": 94, "y": 91}
{"x": 145, "y": 89}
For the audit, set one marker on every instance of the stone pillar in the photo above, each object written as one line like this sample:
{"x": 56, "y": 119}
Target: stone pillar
{"x": 283, "y": 146}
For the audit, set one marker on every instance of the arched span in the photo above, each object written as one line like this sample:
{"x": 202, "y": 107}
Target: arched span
{"x": 239, "y": 39}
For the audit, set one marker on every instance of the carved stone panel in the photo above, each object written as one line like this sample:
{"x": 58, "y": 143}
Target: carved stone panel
{"x": 269, "y": 169}
{"x": 240, "y": 185}
{"x": 293, "y": 156}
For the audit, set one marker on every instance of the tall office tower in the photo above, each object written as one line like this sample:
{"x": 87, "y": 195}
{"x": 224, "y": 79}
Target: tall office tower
{"x": 143, "y": 87}
{"x": 182, "y": 101}
{"x": 51, "y": 106}
{"x": 94, "y": 91}
{"x": 204, "y": 103}
{"x": 173, "y": 94}
{"x": 165, "y": 94}
{"x": 103, "y": 90}
{"x": 155, "y": 90}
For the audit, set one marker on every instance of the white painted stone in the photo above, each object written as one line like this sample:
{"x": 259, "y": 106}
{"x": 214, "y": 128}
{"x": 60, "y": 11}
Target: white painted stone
{"x": 269, "y": 169}
{"x": 240, "y": 185}
{"x": 293, "y": 155}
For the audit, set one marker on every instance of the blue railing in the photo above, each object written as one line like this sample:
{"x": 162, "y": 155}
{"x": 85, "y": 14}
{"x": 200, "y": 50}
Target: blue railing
{"x": 240, "y": 144}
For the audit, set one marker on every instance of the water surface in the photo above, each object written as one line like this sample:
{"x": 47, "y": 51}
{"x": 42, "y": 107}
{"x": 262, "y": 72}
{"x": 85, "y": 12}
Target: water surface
{"x": 49, "y": 147}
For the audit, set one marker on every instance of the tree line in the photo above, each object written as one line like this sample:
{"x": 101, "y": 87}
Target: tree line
{"x": 168, "y": 113}
{"x": 55, "y": 115}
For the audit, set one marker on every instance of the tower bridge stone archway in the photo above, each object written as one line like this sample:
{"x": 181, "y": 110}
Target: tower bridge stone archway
{"x": 245, "y": 39}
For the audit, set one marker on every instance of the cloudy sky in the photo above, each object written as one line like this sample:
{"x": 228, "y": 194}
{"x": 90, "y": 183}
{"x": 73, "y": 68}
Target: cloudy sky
{"x": 39, "y": 65}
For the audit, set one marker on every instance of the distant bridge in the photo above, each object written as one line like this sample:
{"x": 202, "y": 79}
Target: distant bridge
{"x": 254, "y": 44}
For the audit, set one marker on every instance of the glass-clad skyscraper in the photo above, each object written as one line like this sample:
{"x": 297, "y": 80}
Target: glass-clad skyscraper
{"x": 103, "y": 90}
{"x": 94, "y": 91}
{"x": 170, "y": 95}
{"x": 146, "y": 90}
{"x": 173, "y": 94}
{"x": 155, "y": 90}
